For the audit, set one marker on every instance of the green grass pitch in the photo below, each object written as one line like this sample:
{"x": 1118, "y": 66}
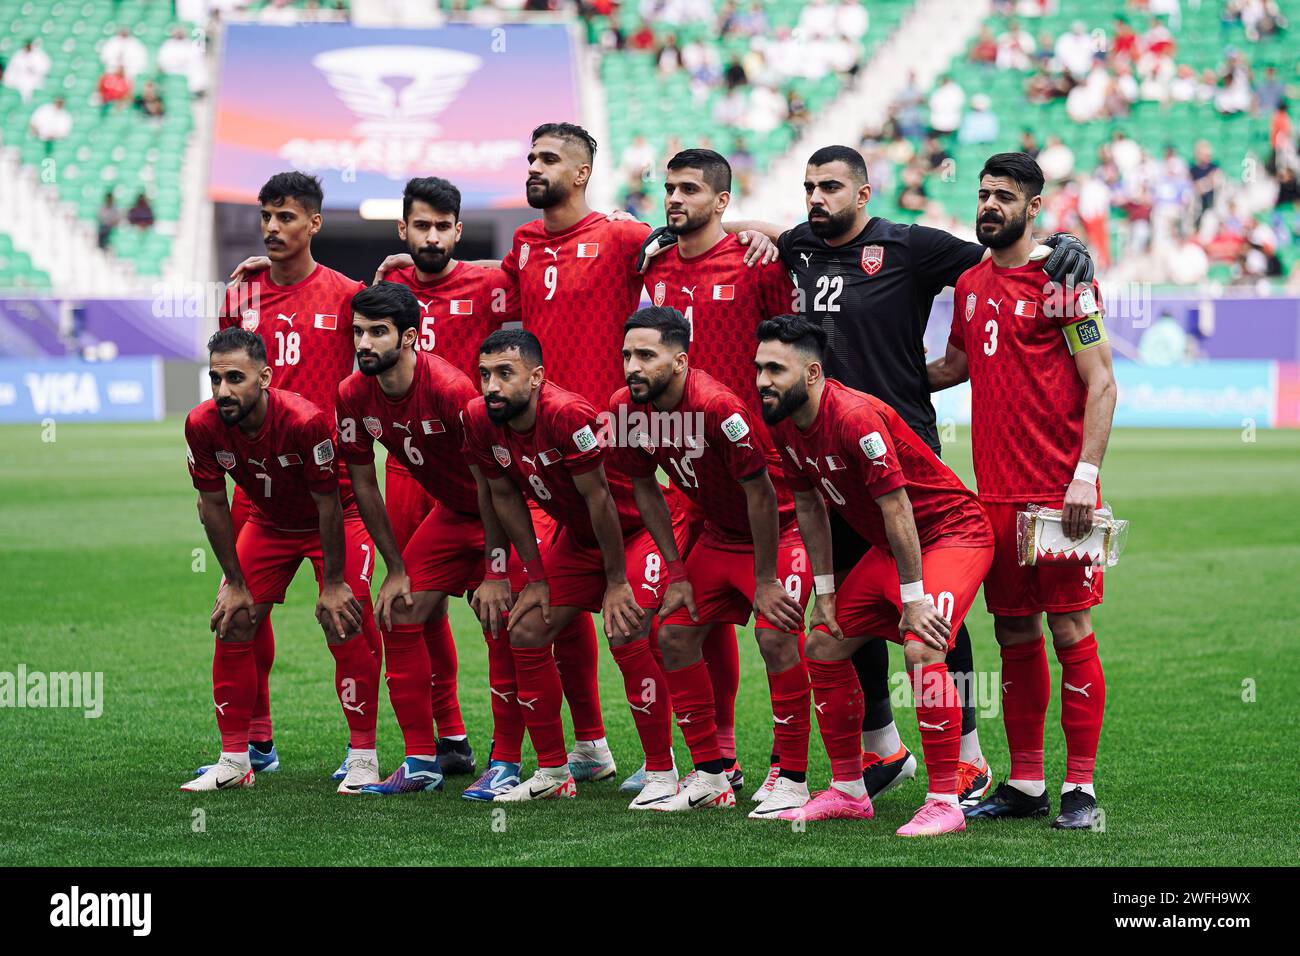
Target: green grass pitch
{"x": 97, "y": 538}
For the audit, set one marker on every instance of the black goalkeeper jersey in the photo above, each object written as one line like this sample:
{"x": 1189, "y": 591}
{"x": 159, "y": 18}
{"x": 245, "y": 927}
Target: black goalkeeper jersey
{"x": 873, "y": 297}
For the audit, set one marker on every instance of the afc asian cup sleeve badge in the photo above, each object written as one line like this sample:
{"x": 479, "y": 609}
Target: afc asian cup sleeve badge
{"x": 660, "y": 291}
{"x": 873, "y": 257}
{"x": 248, "y": 321}
{"x": 373, "y": 425}
{"x": 971, "y": 300}
{"x": 523, "y": 255}
{"x": 502, "y": 455}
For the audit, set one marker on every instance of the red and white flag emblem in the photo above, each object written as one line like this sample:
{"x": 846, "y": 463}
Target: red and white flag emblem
{"x": 433, "y": 426}
{"x": 588, "y": 250}
{"x": 329, "y": 323}
{"x": 1026, "y": 309}
{"x": 724, "y": 293}
{"x": 462, "y": 306}
{"x": 835, "y": 463}
{"x": 660, "y": 292}
{"x": 288, "y": 461}
{"x": 873, "y": 257}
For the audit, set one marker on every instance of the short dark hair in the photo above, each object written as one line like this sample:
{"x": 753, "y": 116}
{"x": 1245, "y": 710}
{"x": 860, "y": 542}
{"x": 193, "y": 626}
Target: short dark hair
{"x": 847, "y": 155}
{"x": 795, "y": 330}
{"x": 673, "y": 329}
{"x": 389, "y": 300}
{"x": 570, "y": 132}
{"x": 503, "y": 340}
{"x": 441, "y": 195}
{"x": 235, "y": 339}
{"x": 1020, "y": 168}
{"x": 714, "y": 166}
{"x": 293, "y": 185}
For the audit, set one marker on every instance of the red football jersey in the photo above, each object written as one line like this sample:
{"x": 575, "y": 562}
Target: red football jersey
{"x": 422, "y": 429}
{"x": 858, "y": 449}
{"x": 576, "y": 289}
{"x": 724, "y": 300}
{"x": 460, "y": 310}
{"x": 707, "y": 445}
{"x": 291, "y": 456}
{"x": 1027, "y": 399}
{"x": 542, "y": 461}
{"x": 307, "y": 328}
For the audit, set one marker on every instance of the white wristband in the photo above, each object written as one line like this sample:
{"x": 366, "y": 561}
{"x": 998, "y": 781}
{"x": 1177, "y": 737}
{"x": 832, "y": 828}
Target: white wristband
{"x": 912, "y": 592}
{"x": 1084, "y": 471}
{"x": 824, "y": 583}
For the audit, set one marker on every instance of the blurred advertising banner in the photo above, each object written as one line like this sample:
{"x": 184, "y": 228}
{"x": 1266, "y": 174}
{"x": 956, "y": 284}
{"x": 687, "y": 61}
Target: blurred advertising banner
{"x": 171, "y": 326}
{"x": 367, "y": 109}
{"x": 70, "y": 390}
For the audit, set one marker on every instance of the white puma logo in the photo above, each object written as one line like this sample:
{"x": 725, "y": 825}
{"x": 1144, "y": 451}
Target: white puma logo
{"x": 653, "y": 590}
{"x": 816, "y": 465}
{"x": 504, "y": 695}
{"x": 288, "y": 318}
{"x": 1005, "y": 686}
{"x": 405, "y": 428}
{"x": 684, "y": 719}
{"x": 807, "y": 259}
{"x": 925, "y": 726}
{"x": 640, "y": 710}
{"x": 819, "y": 707}
{"x": 782, "y": 721}
{"x": 260, "y": 464}
{"x": 424, "y": 306}
{"x": 997, "y": 306}
{"x": 221, "y": 707}
{"x": 554, "y": 253}
{"x": 689, "y": 292}
{"x": 528, "y": 703}
{"x": 531, "y": 463}
{"x": 355, "y": 708}
{"x": 1079, "y": 690}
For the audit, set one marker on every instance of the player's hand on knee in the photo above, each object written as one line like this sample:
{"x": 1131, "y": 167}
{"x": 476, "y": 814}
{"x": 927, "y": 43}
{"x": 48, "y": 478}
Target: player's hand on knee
{"x": 491, "y": 602}
{"x": 761, "y": 251}
{"x": 1077, "y": 509}
{"x": 400, "y": 260}
{"x": 338, "y": 610}
{"x": 623, "y": 616}
{"x": 537, "y": 594}
{"x": 234, "y": 610}
{"x": 924, "y": 620}
{"x": 773, "y": 602}
{"x": 679, "y": 594}
{"x": 396, "y": 587}
{"x": 823, "y": 616}
{"x": 246, "y": 268}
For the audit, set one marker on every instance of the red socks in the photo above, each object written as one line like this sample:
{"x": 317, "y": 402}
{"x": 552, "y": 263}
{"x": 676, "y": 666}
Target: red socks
{"x": 938, "y": 711}
{"x": 539, "y": 693}
{"x": 1026, "y": 687}
{"x": 234, "y": 686}
{"x": 722, "y": 655}
{"x": 839, "y": 706}
{"x": 264, "y": 655}
{"x": 1083, "y": 699}
{"x": 507, "y": 722}
{"x": 445, "y": 702}
{"x": 791, "y": 695}
{"x": 356, "y": 678}
{"x": 577, "y": 654}
{"x": 649, "y": 697}
{"x": 692, "y": 697}
{"x": 408, "y": 683}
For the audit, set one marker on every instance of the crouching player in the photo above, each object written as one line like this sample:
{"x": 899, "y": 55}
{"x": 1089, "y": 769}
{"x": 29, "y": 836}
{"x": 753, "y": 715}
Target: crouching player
{"x": 748, "y": 558}
{"x": 528, "y": 433}
{"x": 931, "y": 547}
{"x": 279, "y": 448}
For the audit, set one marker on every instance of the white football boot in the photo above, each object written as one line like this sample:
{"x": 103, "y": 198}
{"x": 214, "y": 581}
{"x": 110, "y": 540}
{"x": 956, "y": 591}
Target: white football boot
{"x": 227, "y": 773}
{"x": 553, "y": 784}
{"x": 660, "y": 787}
{"x": 707, "y": 791}
{"x": 363, "y": 768}
{"x": 785, "y": 795}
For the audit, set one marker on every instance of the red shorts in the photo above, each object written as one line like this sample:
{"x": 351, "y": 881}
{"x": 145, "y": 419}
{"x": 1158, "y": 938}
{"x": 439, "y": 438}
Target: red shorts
{"x": 722, "y": 577}
{"x": 1012, "y": 590}
{"x": 868, "y": 603}
{"x": 407, "y": 502}
{"x": 270, "y": 559}
{"x": 446, "y": 552}
{"x": 576, "y": 573}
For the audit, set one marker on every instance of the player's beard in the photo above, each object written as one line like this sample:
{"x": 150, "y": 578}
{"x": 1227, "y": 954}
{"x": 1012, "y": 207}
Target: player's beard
{"x": 430, "y": 260}
{"x": 552, "y": 194}
{"x": 382, "y": 364}
{"x": 787, "y": 404}
{"x": 653, "y": 388}
{"x": 511, "y": 409}
{"x": 693, "y": 223}
{"x": 240, "y": 411}
{"x": 835, "y": 224}
{"x": 1010, "y": 233}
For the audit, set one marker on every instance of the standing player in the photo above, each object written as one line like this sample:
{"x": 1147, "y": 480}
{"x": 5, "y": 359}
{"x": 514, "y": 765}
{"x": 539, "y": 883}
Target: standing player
{"x": 527, "y": 433}
{"x": 279, "y": 448}
{"x": 301, "y": 310}
{"x": 1043, "y": 396}
{"x": 749, "y": 557}
{"x": 931, "y": 546}
{"x": 870, "y": 284}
